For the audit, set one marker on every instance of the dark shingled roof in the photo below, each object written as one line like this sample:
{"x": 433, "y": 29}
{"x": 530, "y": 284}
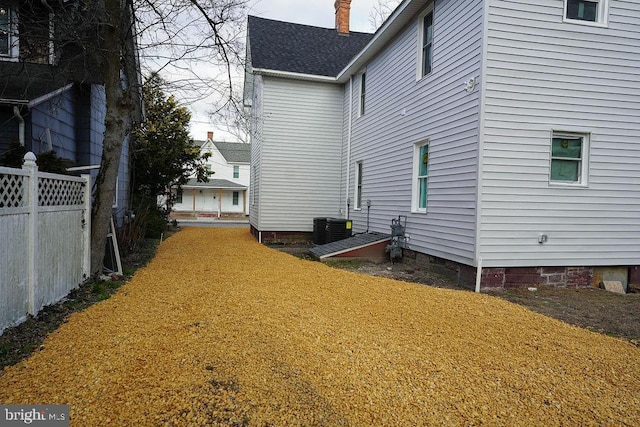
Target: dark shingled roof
{"x": 296, "y": 48}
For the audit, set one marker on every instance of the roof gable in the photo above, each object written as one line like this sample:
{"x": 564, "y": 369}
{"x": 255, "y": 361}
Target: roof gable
{"x": 303, "y": 49}
{"x": 234, "y": 152}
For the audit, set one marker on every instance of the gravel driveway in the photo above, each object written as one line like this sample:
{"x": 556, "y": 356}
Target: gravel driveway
{"x": 220, "y": 330}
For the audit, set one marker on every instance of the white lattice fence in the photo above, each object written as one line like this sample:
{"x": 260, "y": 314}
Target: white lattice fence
{"x": 11, "y": 190}
{"x": 44, "y": 235}
{"x": 58, "y": 192}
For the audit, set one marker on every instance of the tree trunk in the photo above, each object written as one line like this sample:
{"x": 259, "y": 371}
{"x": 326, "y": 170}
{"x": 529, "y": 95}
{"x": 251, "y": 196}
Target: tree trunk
{"x": 117, "y": 125}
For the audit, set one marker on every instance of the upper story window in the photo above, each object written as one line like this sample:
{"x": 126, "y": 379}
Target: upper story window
{"x": 8, "y": 40}
{"x": 29, "y": 38}
{"x": 425, "y": 43}
{"x": 363, "y": 92}
{"x": 236, "y": 171}
{"x": 569, "y": 154}
{"x": 586, "y": 11}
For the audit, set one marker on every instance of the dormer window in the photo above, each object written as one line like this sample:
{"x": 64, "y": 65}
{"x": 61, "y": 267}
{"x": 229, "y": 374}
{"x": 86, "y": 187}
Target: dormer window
{"x": 586, "y": 11}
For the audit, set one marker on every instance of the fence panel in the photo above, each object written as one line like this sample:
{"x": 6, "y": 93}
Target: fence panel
{"x": 44, "y": 238}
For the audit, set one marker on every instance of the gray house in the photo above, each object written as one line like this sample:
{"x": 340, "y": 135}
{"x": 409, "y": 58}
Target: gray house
{"x": 506, "y": 132}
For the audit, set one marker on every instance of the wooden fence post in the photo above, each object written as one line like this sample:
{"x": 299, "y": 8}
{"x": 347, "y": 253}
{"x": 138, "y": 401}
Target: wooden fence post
{"x": 31, "y": 198}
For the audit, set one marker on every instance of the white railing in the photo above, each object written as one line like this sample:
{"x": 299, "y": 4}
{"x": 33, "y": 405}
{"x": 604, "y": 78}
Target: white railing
{"x": 44, "y": 238}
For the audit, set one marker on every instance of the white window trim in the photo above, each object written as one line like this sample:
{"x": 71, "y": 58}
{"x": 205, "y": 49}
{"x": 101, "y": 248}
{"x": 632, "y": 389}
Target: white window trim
{"x": 14, "y": 40}
{"x": 362, "y": 95}
{"x": 421, "y": 17}
{"x": 603, "y": 15}
{"x": 415, "y": 188}
{"x": 357, "y": 202}
{"x": 584, "y": 165}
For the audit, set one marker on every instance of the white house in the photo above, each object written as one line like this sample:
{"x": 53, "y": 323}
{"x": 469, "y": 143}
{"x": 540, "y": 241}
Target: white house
{"x": 227, "y": 192}
{"x": 296, "y": 123}
{"x": 506, "y": 131}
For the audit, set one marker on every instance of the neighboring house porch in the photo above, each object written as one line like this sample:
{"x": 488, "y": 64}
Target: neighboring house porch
{"x": 218, "y": 198}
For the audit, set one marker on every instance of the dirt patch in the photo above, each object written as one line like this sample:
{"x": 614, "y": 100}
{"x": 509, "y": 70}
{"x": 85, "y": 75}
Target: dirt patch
{"x": 591, "y": 308}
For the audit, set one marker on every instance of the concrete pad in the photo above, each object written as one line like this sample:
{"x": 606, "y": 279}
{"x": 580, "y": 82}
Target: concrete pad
{"x": 611, "y": 274}
{"x": 614, "y": 286}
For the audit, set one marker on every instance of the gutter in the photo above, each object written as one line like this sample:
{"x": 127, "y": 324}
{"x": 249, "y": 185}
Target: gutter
{"x": 294, "y": 76}
{"x": 48, "y": 96}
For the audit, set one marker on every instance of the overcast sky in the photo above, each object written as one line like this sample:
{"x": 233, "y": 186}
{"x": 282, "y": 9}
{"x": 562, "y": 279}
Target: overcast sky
{"x": 320, "y": 13}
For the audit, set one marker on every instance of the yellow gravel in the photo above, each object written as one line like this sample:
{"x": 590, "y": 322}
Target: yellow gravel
{"x": 220, "y": 330}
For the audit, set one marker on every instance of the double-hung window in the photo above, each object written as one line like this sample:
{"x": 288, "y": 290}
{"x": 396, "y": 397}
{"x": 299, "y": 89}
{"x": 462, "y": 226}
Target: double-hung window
{"x": 569, "y": 158}
{"x": 8, "y": 46}
{"x": 363, "y": 92}
{"x": 236, "y": 171}
{"x": 420, "y": 177}
{"x": 586, "y": 11}
{"x": 425, "y": 43}
{"x": 358, "y": 187}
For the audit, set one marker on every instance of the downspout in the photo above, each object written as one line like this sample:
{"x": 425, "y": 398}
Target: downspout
{"x": 349, "y": 144}
{"x": 16, "y": 113}
{"x": 479, "y": 274}
{"x": 480, "y": 157}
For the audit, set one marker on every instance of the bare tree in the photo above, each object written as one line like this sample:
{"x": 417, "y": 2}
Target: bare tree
{"x": 381, "y": 11}
{"x": 175, "y": 34}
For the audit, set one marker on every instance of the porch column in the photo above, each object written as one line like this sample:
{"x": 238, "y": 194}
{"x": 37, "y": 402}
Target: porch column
{"x": 244, "y": 202}
{"x": 219, "y": 203}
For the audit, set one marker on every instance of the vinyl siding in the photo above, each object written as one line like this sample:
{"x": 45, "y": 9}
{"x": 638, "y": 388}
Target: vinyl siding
{"x": 58, "y": 116}
{"x": 402, "y": 112}
{"x": 543, "y": 75}
{"x": 300, "y": 154}
{"x": 256, "y": 151}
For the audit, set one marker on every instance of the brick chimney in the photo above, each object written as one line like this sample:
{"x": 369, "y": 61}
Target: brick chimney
{"x": 210, "y": 135}
{"x": 343, "y": 8}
